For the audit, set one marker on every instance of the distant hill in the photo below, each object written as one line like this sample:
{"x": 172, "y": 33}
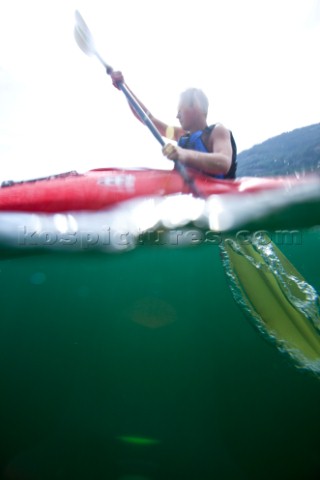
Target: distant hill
{"x": 292, "y": 152}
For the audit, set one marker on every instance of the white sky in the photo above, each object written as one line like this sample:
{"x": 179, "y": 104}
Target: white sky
{"x": 257, "y": 61}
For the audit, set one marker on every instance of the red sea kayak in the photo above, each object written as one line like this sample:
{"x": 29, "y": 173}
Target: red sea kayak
{"x": 102, "y": 188}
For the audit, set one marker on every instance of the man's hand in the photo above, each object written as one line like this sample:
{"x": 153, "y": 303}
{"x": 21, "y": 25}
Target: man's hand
{"x": 173, "y": 152}
{"x": 117, "y": 78}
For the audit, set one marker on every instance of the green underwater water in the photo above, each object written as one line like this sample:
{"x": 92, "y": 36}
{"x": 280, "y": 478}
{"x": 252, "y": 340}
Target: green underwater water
{"x": 141, "y": 365}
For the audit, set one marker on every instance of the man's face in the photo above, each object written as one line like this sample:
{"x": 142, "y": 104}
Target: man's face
{"x": 185, "y": 115}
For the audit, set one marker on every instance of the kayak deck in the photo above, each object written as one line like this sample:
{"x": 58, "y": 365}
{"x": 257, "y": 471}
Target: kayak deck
{"x": 101, "y": 188}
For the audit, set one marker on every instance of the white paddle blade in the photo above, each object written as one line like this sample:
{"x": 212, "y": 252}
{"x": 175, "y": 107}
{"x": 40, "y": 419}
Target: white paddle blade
{"x": 80, "y": 23}
{"x": 82, "y": 42}
{"x": 83, "y": 35}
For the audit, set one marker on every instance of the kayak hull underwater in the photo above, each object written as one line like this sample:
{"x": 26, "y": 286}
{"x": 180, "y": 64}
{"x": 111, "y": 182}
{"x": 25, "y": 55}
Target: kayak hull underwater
{"x": 102, "y": 188}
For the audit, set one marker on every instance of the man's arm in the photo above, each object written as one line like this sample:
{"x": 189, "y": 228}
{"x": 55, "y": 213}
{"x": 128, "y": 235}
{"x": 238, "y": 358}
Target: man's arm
{"x": 172, "y": 133}
{"x": 217, "y": 161}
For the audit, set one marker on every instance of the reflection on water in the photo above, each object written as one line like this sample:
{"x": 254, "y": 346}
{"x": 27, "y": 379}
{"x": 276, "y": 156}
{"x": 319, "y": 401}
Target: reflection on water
{"x": 151, "y": 312}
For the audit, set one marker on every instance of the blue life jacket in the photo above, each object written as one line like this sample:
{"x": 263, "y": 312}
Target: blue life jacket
{"x": 194, "y": 141}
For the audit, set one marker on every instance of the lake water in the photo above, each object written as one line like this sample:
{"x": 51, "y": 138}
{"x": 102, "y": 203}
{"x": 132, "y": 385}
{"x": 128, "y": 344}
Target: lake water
{"x": 163, "y": 361}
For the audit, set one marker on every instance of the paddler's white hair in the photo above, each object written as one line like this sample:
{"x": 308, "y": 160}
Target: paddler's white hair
{"x": 195, "y": 96}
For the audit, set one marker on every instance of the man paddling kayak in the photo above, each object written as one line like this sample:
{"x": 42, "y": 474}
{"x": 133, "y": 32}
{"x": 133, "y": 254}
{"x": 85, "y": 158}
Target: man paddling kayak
{"x": 210, "y": 149}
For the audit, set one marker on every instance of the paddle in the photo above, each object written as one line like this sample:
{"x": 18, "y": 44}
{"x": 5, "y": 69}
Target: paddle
{"x": 85, "y": 41}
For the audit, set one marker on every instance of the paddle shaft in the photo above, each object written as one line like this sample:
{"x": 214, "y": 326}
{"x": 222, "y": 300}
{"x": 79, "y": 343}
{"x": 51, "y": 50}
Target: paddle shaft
{"x": 135, "y": 105}
{"x": 142, "y": 114}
